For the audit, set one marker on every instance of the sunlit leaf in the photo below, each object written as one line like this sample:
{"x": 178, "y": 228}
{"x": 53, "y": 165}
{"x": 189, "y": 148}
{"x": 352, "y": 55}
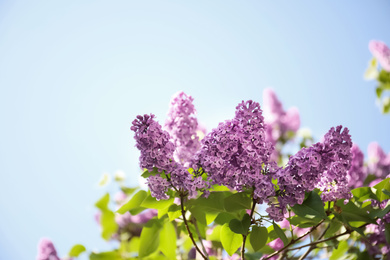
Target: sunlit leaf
{"x": 258, "y": 237}
{"x": 230, "y": 240}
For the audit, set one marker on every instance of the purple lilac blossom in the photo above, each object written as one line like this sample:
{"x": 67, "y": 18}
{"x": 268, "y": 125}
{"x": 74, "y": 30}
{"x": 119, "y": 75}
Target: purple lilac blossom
{"x": 278, "y": 121}
{"x": 377, "y": 243}
{"x": 358, "y": 172}
{"x": 182, "y": 126}
{"x": 157, "y": 152}
{"x": 276, "y": 245}
{"x": 46, "y": 250}
{"x": 324, "y": 165}
{"x": 381, "y": 52}
{"x": 378, "y": 162}
{"x": 296, "y": 230}
{"x": 235, "y": 152}
{"x": 208, "y": 245}
{"x": 133, "y": 224}
{"x": 153, "y": 142}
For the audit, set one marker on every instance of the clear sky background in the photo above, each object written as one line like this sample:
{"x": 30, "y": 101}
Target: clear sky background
{"x": 74, "y": 74}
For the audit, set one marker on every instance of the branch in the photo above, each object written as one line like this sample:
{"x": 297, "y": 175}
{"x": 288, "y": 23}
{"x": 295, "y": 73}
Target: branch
{"x": 330, "y": 238}
{"x": 313, "y": 246}
{"x": 183, "y": 213}
{"x": 244, "y": 236}
{"x": 200, "y": 238}
{"x": 293, "y": 241}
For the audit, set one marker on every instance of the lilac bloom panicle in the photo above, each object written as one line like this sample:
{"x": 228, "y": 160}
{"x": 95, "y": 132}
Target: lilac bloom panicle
{"x": 381, "y": 52}
{"x": 378, "y": 161}
{"x": 278, "y": 121}
{"x": 236, "y": 154}
{"x": 358, "y": 172}
{"x": 182, "y": 126}
{"x": 46, "y": 250}
{"x": 157, "y": 151}
{"x": 324, "y": 165}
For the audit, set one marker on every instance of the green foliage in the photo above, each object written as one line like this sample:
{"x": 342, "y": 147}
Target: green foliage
{"x": 111, "y": 255}
{"x": 280, "y": 233}
{"x": 340, "y": 251}
{"x": 237, "y": 201}
{"x": 107, "y": 218}
{"x": 312, "y": 208}
{"x": 240, "y": 226}
{"x": 134, "y": 202}
{"x": 168, "y": 240}
{"x": 76, "y": 250}
{"x": 382, "y": 190}
{"x": 150, "y": 238}
{"x": 230, "y": 241}
{"x": 258, "y": 237}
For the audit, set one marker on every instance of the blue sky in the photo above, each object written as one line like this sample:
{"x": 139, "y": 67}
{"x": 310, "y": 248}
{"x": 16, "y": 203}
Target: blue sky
{"x": 74, "y": 74}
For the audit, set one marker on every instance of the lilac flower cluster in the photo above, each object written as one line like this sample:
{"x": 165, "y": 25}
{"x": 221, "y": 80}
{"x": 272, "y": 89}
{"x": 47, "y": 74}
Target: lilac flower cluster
{"x": 381, "y": 52}
{"x": 358, "y": 172}
{"x": 236, "y": 154}
{"x": 323, "y": 165}
{"x": 280, "y": 124}
{"x": 157, "y": 151}
{"x": 46, "y": 250}
{"x": 377, "y": 243}
{"x": 378, "y": 161}
{"x": 182, "y": 126}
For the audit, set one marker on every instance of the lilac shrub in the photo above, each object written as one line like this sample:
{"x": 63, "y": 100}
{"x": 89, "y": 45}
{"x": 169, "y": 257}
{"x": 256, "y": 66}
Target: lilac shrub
{"x": 204, "y": 191}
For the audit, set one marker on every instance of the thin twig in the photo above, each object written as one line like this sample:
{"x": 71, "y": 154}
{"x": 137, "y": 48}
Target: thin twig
{"x": 327, "y": 239}
{"x": 200, "y": 238}
{"x": 244, "y": 236}
{"x": 313, "y": 246}
{"x": 188, "y": 228}
{"x": 293, "y": 241}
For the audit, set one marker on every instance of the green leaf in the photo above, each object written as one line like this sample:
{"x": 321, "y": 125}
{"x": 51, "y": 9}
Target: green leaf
{"x": 149, "y": 239}
{"x": 335, "y": 226}
{"x": 223, "y": 217}
{"x": 372, "y": 71}
{"x": 384, "y": 77}
{"x": 387, "y": 233}
{"x": 240, "y": 227}
{"x": 213, "y": 203}
{"x": 386, "y": 105}
{"x": 108, "y": 223}
{"x": 107, "y": 219}
{"x": 230, "y": 240}
{"x": 238, "y": 201}
{"x": 134, "y": 202}
{"x": 152, "y": 203}
{"x": 363, "y": 193}
{"x": 340, "y": 251}
{"x": 379, "y": 91}
{"x": 311, "y": 208}
{"x": 102, "y": 203}
{"x": 302, "y": 222}
{"x": 76, "y": 250}
{"x": 378, "y": 189}
{"x": 351, "y": 213}
{"x": 258, "y": 237}
{"x": 215, "y": 234}
{"x": 128, "y": 191}
{"x": 168, "y": 240}
{"x": 146, "y": 173}
{"x": 112, "y": 255}
{"x": 280, "y": 233}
